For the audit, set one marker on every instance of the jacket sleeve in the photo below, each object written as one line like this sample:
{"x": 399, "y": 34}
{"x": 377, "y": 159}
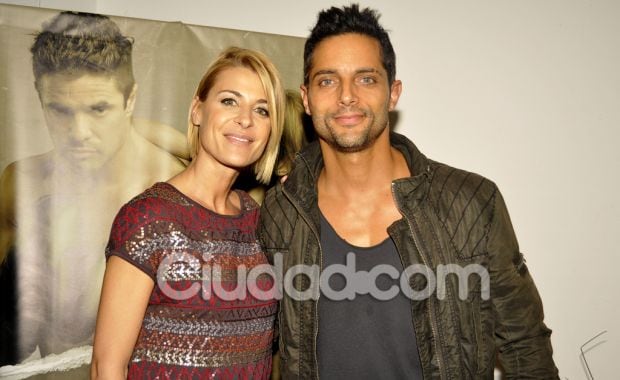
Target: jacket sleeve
{"x": 271, "y": 237}
{"x": 276, "y": 224}
{"x": 520, "y": 334}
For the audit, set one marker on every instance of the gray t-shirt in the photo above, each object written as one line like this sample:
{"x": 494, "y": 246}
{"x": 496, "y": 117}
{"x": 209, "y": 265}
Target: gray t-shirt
{"x": 364, "y": 338}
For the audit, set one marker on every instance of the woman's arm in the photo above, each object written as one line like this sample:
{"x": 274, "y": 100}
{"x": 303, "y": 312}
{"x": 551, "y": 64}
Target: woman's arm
{"x": 124, "y": 298}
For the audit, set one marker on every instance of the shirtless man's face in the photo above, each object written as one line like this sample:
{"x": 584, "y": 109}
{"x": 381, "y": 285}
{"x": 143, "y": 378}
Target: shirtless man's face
{"x": 87, "y": 117}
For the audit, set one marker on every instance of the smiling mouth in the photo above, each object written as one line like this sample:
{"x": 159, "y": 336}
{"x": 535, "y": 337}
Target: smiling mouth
{"x": 349, "y": 119}
{"x": 239, "y": 138}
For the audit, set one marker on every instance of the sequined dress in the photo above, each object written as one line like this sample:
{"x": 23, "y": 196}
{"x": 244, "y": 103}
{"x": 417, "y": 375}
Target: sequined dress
{"x": 200, "y": 322}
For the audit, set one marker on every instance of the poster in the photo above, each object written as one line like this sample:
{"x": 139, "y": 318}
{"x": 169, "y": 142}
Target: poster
{"x": 77, "y": 142}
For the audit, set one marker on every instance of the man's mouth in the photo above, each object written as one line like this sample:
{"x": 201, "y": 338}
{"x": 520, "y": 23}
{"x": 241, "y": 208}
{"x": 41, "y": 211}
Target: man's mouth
{"x": 349, "y": 118}
{"x": 81, "y": 151}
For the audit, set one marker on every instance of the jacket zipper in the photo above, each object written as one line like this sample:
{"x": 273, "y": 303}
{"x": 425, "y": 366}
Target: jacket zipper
{"x": 434, "y": 327}
{"x": 302, "y": 213}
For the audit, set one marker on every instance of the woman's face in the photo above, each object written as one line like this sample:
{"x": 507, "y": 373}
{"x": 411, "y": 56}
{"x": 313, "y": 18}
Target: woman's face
{"x": 234, "y": 119}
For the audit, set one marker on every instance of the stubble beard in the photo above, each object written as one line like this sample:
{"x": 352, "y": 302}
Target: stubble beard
{"x": 344, "y": 143}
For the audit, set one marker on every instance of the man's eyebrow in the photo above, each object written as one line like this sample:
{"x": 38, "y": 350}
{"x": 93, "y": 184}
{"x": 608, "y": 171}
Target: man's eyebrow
{"x": 367, "y": 70}
{"x": 55, "y": 105}
{"x": 323, "y": 72}
{"x": 102, "y": 103}
{"x": 362, "y": 70}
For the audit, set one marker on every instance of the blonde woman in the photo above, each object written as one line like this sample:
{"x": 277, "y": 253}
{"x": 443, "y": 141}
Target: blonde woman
{"x": 172, "y": 303}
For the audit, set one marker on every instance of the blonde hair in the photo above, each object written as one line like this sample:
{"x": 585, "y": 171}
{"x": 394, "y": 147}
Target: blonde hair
{"x": 272, "y": 85}
{"x": 293, "y": 135}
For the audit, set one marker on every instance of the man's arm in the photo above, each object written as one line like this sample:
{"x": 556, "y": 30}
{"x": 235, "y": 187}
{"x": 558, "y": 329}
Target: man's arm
{"x": 164, "y": 136}
{"x": 522, "y": 338}
{"x": 275, "y": 227}
{"x": 7, "y": 211}
{"x": 273, "y": 235}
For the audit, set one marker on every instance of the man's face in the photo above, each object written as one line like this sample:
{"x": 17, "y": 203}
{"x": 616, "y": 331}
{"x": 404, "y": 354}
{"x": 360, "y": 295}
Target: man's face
{"x": 348, "y": 94}
{"x": 87, "y": 117}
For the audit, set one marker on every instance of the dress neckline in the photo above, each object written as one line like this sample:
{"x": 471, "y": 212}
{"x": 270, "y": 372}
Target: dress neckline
{"x": 244, "y": 205}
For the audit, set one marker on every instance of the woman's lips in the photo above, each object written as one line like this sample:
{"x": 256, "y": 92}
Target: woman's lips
{"x": 239, "y": 139}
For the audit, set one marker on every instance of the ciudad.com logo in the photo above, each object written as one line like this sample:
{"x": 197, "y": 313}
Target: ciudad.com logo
{"x": 266, "y": 282}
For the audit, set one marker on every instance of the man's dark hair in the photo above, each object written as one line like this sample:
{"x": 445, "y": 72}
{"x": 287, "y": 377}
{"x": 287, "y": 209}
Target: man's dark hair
{"x": 76, "y": 43}
{"x": 350, "y": 19}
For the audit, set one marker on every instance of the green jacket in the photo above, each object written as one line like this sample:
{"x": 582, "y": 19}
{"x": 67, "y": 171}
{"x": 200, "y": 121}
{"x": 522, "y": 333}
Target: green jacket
{"x": 449, "y": 217}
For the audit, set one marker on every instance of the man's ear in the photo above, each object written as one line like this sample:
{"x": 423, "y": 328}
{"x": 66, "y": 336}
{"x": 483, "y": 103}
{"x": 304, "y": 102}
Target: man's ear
{"x": 304, "y": 96}
{"x": 131, "y": 100}
{"x": 395, "y": 90}
{"x": 195, "y": 115}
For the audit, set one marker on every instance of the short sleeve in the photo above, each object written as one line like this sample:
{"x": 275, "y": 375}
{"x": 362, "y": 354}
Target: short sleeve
{"x": 134, "y": 237}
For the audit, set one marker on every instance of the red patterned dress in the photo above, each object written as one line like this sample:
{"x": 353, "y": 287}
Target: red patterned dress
{"x": 203, "y": 320}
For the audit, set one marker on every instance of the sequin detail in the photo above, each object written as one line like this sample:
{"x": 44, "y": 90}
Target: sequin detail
{"x": 210, "y": 328}
{"x": 195, "y": 337}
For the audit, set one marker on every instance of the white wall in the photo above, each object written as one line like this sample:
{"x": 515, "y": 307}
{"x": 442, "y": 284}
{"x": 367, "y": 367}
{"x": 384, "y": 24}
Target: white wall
{"x": 524, "y": 92}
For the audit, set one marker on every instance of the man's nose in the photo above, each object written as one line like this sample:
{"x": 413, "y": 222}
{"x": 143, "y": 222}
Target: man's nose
{"x": 348, "y": 94}
{"x": 80, "y": 128}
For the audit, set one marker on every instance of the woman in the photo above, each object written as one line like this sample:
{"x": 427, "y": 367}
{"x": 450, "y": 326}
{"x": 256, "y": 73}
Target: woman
{"x": 168, "y": 306}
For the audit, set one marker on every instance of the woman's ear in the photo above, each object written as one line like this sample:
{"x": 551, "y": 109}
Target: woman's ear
{"x": 195, "y": 114}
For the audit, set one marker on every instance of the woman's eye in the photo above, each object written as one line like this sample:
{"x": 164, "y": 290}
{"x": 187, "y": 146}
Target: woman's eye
{"x": 263, "y": 111}
{"x": 229, "y": 102}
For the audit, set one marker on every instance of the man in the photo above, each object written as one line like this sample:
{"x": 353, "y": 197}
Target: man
{"x": 364, "y": 197}
{"x": 57, "y": 207}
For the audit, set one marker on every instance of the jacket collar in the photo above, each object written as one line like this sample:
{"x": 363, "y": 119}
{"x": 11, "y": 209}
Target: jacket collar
{"x": 410, "y": 192}
{"x": 302, "y": 180}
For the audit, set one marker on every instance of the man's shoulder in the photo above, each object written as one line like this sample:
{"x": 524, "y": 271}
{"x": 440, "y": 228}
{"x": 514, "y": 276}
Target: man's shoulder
{"x": 464, "y": 203}
{"x": 32, "y": 172}
{"x": 275, "y": 201}
{"x": 37, "y": 166}
{"x": 448, "y": 182}
{"x": 278, "y": 219}
{"x": 156, "y": 158}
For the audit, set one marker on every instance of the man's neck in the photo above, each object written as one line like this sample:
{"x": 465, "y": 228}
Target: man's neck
{"x": 368, "y": 170}
{"x": 355, "y": 192}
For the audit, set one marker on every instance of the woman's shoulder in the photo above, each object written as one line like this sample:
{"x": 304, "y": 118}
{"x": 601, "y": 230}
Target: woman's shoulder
{"x": 161, "y": 201}
{"x": 247, "y": 203}
{"x": 159, "y": 197}
{"x": 161, "y": 192}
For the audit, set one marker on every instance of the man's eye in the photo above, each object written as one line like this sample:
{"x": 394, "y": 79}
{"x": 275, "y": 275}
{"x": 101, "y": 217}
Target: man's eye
{"x": 262, "y": 111}
{"x": 326, "y": 82}
{"x": 368, "y": 80}
{"x": 99, "y": 110}
{"x": 229, "y": 101}
{"x": 60, "y": 111}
